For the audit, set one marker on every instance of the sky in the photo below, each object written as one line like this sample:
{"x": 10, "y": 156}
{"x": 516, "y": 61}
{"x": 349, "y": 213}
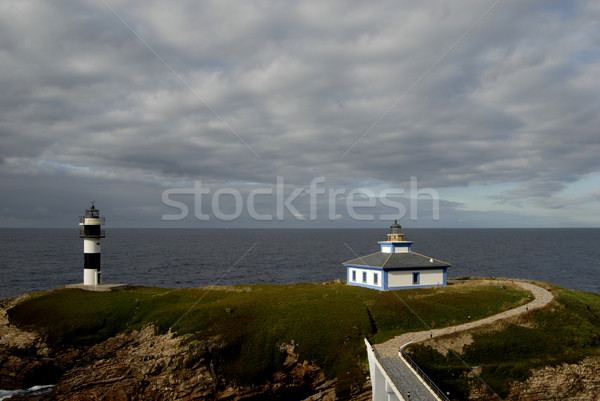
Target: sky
{"x": 337, "y": 114}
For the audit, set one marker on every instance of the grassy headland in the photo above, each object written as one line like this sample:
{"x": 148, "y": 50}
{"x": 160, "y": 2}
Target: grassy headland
{"x": 327, "y": 322}
{"x": 567, "y": 331}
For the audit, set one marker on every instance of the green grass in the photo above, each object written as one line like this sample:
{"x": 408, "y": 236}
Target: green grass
{"x": 439, "y": 307}
{"x": 568, "y": 331}
{"x": 327, "y": 322}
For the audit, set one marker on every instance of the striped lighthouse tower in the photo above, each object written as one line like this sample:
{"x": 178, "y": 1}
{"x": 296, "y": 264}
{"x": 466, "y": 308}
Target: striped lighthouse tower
{"x": 91, "y": 234}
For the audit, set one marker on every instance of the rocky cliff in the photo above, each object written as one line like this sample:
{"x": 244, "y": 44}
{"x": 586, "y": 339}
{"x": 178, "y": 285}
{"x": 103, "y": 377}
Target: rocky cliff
{"x": 25, "y": 360}
{"x": 575, "y": 382}
{"x": 567, "y": 382}
{"x": 143, "y": 365}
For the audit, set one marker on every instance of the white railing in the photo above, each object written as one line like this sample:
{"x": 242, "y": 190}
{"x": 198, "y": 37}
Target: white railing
{"x": 439, "y": 393}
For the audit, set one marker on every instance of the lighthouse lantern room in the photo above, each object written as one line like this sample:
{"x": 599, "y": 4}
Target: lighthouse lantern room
{"x": 91, "y": 234}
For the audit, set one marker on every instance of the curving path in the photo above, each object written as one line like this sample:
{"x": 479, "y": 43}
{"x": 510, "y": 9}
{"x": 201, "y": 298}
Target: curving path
{"x": 542, "y": 297}
{"x": 406, "y": 382}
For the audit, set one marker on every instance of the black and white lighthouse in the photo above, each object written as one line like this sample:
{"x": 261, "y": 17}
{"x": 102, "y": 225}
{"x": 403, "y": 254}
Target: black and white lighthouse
{"x": 91, "y": 234}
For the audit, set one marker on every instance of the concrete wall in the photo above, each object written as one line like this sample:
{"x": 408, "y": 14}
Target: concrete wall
{"x": 91, "y": 245}
{"x": 91, "y": 277}
{"x": 382, "y": 387}
{"x": 404, "y": 278}
{"x": 390, "y": 248}
{"x": 370, "y": 277}
{"x": 397, "y": 279}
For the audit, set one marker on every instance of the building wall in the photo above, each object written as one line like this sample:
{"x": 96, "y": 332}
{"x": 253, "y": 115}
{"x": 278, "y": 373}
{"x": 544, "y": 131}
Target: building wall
{"x": 394, "y": 249}
{"x": 370, "y": 277}
{"x": 91, "y": 277}
{"x": 426, "y": 278}
{"x": 398, "y": 279}
{"x": 91, "y": 245}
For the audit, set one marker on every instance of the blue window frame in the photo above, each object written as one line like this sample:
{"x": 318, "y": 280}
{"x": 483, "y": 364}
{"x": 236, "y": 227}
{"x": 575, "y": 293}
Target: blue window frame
{"x": 375, "y": 278}
{"x": 416, "y": 278}
{"x": 354, "y": 275}
{"x": 364, "y": 277}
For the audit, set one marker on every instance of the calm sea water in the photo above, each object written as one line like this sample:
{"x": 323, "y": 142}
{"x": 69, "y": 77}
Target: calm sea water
{"x": 40, "y": 259}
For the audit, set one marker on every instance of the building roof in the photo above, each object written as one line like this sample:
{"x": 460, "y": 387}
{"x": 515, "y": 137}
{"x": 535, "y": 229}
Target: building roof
{"x": 396, "y": 261}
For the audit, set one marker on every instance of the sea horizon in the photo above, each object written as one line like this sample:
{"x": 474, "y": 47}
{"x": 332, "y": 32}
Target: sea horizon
{"x": 42, "y": 259}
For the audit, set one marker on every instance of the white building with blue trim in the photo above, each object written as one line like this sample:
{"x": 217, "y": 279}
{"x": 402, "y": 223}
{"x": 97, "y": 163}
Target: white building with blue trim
{"x": 396, "y": 266}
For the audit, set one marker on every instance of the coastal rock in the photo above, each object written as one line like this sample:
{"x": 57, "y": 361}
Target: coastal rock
{"x": 568, "y": 382}
{"x": 25, "y": 360}
{"x": 574, "y": 382}
{"x": 144, "y": 365}
{"x": 138, "y": 366}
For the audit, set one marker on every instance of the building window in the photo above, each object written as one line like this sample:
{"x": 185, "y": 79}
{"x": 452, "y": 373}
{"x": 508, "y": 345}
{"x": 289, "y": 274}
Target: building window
{"x": 416, "y": 278}
{"x": 364, "y": 277}
{"x": 354, "y": 275}
{"x": 375, "y": 278}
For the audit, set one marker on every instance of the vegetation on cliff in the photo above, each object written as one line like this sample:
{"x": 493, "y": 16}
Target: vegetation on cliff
{"x": 326, "y": 322}
{"x": 566, "y": 332}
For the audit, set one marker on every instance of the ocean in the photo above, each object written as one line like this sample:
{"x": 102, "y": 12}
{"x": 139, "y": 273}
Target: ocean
{"x": 42, "y": 259}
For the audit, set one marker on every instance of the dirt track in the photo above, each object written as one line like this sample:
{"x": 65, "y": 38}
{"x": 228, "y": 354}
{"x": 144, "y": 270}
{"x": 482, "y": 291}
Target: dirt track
{"x": 542, "y": 297}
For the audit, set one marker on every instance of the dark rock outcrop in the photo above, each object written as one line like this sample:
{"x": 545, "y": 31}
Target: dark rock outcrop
{"x": 573, "y": 382}
{"x": 144, "y": 365}
{"x": 25, "y": 360}
{"x": 578, "y": 381}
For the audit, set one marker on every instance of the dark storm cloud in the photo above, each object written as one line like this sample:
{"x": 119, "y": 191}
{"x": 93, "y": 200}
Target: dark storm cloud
{"x": 87, "y": 105}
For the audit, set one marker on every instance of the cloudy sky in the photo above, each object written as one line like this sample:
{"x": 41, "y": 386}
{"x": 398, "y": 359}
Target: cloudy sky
{"x": 445, "y": 113}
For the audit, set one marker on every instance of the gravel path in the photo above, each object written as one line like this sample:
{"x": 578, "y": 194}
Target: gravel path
{"x": 542, "y": 297}
{"x": 406, "y": 380}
